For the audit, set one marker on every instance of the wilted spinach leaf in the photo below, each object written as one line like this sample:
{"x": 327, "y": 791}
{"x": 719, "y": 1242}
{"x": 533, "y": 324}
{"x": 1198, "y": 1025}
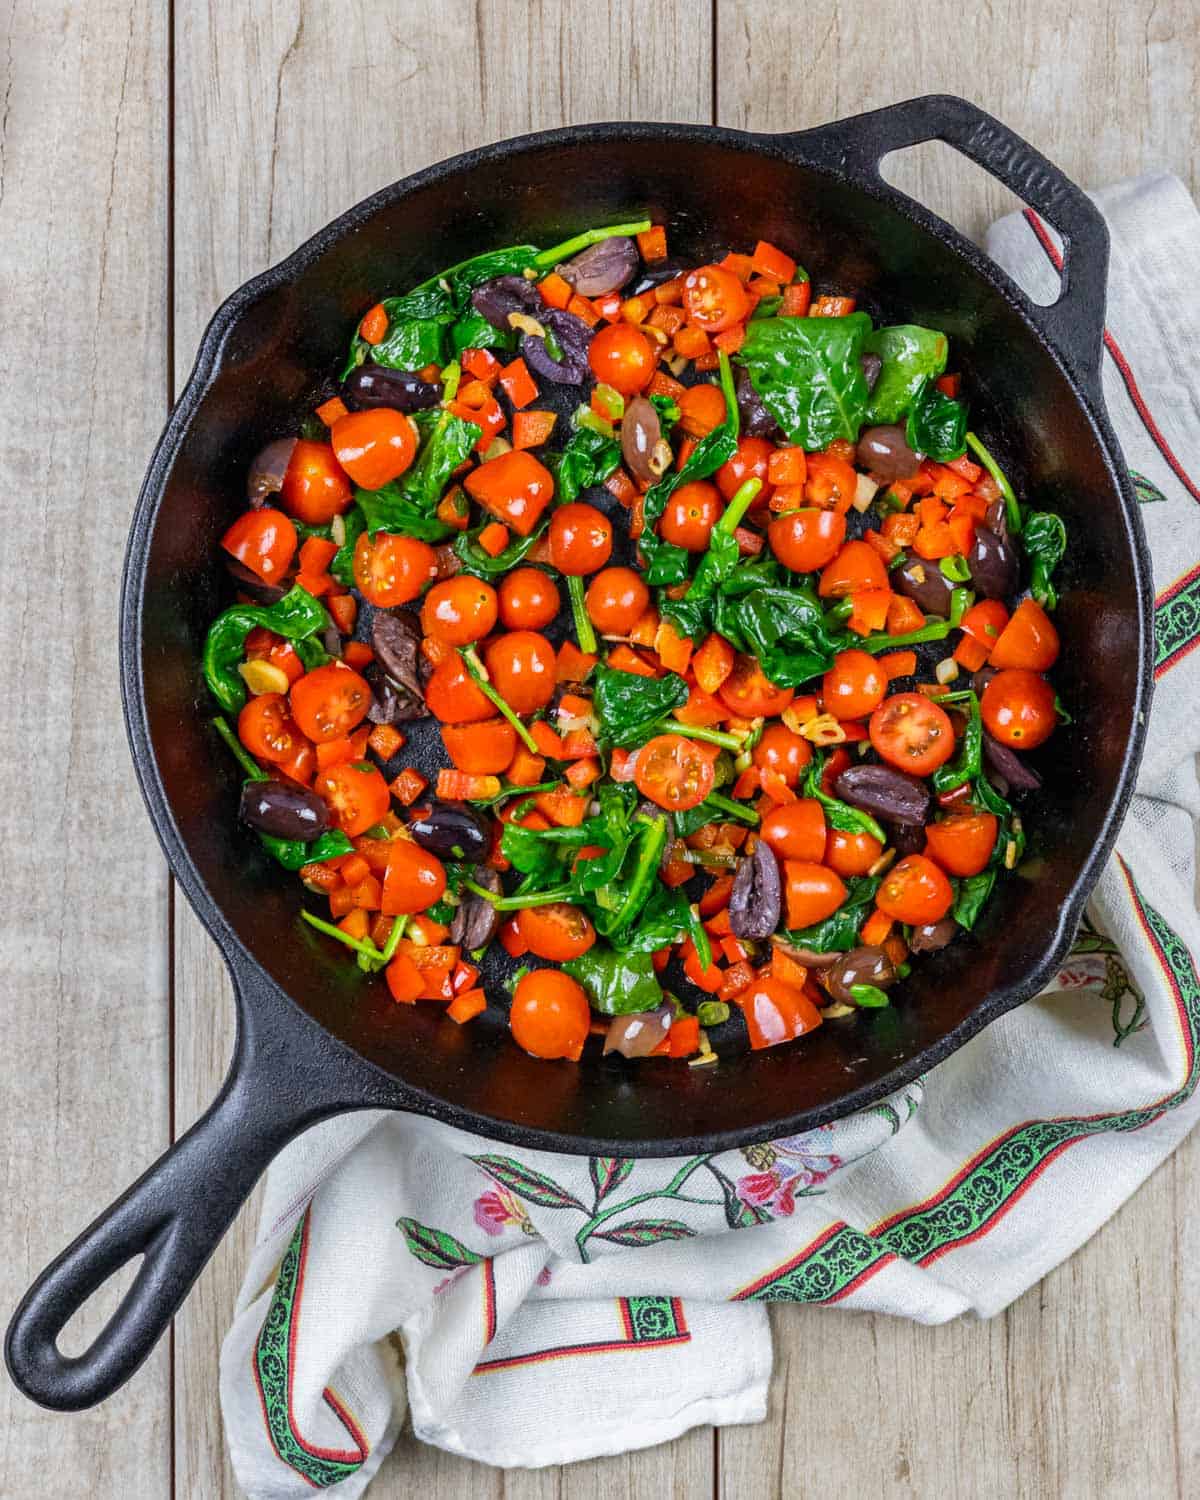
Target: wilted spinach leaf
{"x": 971, "y": 897}
{"x": 783, "y": 627}
{"x": 296, "y": 617}
{"x": 1045, "y": 540}
{"x": 617, "y": 984}
{"x": 342, "y": 566}
{"x": 807, "y": 374}
{"x": 482, "y": 564}
{"x": 292, "y": 853}
{"x": 588, "y": 458}
{"x": 629, "y": 706}
{"x": 910, "y": 354}
{"x": 937, "y": 424}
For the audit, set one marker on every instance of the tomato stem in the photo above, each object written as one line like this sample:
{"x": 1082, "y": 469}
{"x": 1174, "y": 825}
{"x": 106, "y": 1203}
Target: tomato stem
{"x": 251, "y": 767}
{"x": 579, "y": 242}
{"x": 478, "y": 673}
{"x": 583, "y": 625}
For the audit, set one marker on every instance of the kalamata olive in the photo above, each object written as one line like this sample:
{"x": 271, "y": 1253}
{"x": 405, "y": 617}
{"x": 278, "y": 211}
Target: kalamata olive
{"x": 375, "y": 385}
{"x": 250, "y": 583}
{"x": 885, "y": 451}
{"x": 476, "y": 920}
{"x": 602, "y": 268}
{"x": 638, "y": 1034}
{"x": 905, "y": 838}
{"x": 885, "y": 793}
{"x": 495, "y": 299}
{"x": 924, "y": 582}
{"x": 993, "y": 565}
{"x": 396, "y": 638}
{"x": 809, "y": 957}
{"x": 265, "y": 475}
{"x": 642, "y": 440}
{"x": 1008, "y": 763}
{"x": 859, "y": 966}
{"x": 871, "y": 366}
{"x": 756, "y": 901}
{"x": 657, "y": 273}
{"x": 757, "y": 421}
{"x": 933, "y": 935}
{"x": 331, "y": 639}
{"x": 981, "y": 678}
{"x": 452, "y": 830}
{"x": 572, "y": 336}
{"x": 287, "y": 812}
{"x": 997, "y": 517}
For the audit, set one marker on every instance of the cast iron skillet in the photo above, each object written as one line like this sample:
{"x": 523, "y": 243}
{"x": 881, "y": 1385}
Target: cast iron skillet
{"x": 314, "y": 1038}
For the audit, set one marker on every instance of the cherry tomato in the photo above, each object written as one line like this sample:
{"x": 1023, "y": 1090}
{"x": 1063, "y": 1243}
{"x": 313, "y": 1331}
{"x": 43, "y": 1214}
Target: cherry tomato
{"x": 673, "y": 772}
{"x": 962, "y": 843}
{"x": 829, "y": 483}
{"x": 314, "y": 488}
{"x": 690, "y": 515}
{"x": 413, "y": 881}
{"x": 264, "y": 541}
{"x": 714, "y": 298}
{"x": 750, "y": 693}
{"x": 856, "y": 567}
{"x": 301, "y": 765}
{"x": 514, "y": 487}
{"x": 391, "y": 570}
{"x": 854, "y": 686}
{"x": 557, "y": 932}
{"x": 267, "y": 729}
{"x": 701, "y": 408}
{"x": 265, "y": 645}
{"x": 375, "y": 446}
{"x": 357, "y": 795}
{"x": 795, "y": 830}
{"x": 851, "y": 853}
{"x": 776, "y": 1012}
{"x": 523, "y": 670}
{"x": 621, "y": 356}
{"x": 459, "y": 610}
{"x": 1029, "y": 640}
{"x": 580, "y": 538}
{"x": 805, "y": 540}
{"x": 549, "y": 1015}
{"x": 912, "y": 733}
{"x": 812, "y": 892}
{"x": 1018, "y": 709}
{"x": 453, "y": 696}
{"x": 616, "y": 600}
{"x": 330, "y": 701}
{"x": 529, "y": 599}
{"x": 482, "y": 749}
{"x": 748, "y": 462}
{"x": 782, "y": 750}
{"x": 915, "y": 891}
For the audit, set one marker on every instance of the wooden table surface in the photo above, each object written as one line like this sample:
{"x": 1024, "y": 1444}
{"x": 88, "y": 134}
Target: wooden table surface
{"x": 151, "y": 158}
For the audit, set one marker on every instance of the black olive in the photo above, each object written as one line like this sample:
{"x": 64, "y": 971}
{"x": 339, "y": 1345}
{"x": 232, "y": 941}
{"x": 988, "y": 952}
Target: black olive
{"x": 396, "y": 638}
{"x": 885, "y": 451}
{"x": 1008, "y": 763}
{"x": 933, "y": 935}
{"x": 250, "y": 583}
{"x": 476, "y": 920}
{"x": 906, "y": 838}
{"x": 993, "y": 564}
{"x": 375, "y": 385}
{"x": 573, "y": 336}
{"x": 656, "y": 274}
{"x": 495, "y": 299}
{"x": 925, "y": 583}
{"x": 757, "y": 421}
{"x": 756, "y": 901}
{"x": 641, "y": 439}
{"x": 885, "y": 793}
{"x": 286, "y": 812}
{"x": 859, "y": 966}
{"x": 452, "y": 830}
{"x": 602, "y": 268}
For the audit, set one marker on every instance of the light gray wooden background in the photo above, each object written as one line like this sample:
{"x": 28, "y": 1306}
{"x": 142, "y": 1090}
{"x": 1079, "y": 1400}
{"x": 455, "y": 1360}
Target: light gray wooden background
{"x": 153, "y": 157}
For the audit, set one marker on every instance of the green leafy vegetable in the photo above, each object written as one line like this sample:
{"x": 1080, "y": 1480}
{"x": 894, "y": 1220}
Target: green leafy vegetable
{"x": 629, "y": 706}
{"x": 473, "y": 331}
{"x": 1045, "y": 540}
{"x": 910, "y": 355}
{"x": 839, "y": 815}
{"x": 296, "y": 617}
{"x": 408, "y": 505}
{"x": 482, "y": 564}
{"x": 342, "y": 566}
{"x": 839, "y": 933}
{"x": 291, "y": 853}
{"x": 617, "y": 984}
{"x": 967, "y": 764}
{"x": 784, "y": 627}
{"x": 971, "y": 897}
{"x": 937, "y": 424}
{"x": 868, "y": 996}
{"x": 807, "y": 373}
{"x": 1012, "y": 507}
{"x": 588, "y": 458}
{"x": 712, "y": 1013}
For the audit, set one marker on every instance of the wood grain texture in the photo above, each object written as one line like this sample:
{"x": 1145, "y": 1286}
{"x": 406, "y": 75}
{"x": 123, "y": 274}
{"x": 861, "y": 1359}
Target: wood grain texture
{"x": 83, "y": 918}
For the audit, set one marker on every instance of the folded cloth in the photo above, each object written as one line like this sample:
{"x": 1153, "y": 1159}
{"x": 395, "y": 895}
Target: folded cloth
{"x": 530, "y": 1309}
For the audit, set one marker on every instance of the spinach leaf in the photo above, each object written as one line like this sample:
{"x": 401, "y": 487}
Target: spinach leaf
{"x": 968, "y": 763}
{"x": 292, "y": 854}
{"x": 937, "y": 424}
{"x": 617, "y": 984}
{"x": 807, "y": 374}
{"x": 714, "y": 449}
{"x": 909, "y": 354}
{"x": 473, "y": 331}
{"x": 690, "y": 617}
{"x": 482, "y": 564}
{"x": 629, "y": 706}
{"x": 588, "y": 458}
{"x": 408, "y": 505}
{"x": 619, "y": 904}
{"x": 665, "y": 562}
{"x": 410, "y": 343}
{"x": 971, "y": 897}
{"x": 1045, "y": 541}
{"x": 296, "y": 617}
{"x": 530, "y": 853}
{"x": 839, "y": 815}
{"x": 784, "y": 627}
{"x": 665, "y": 917}
{"x": 839, "y": 933}
{"x": 342, "y": 566}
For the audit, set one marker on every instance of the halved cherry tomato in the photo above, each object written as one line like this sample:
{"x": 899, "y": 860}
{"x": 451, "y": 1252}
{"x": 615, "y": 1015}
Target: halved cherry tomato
{"x": 805, "y": 540}
{"x": 915, "y": 891}
{"x": 549, "y": 1015}
{"x": 529, "y": 599}
{"x": 453, "y": 696}
{"x": 795, "y": 830}
{"x": 748, "y": 462}
{"x": 812, "y": 892}
{"x": 413, "y": 881}
{"x": 857, "y": 567}
{"x": 523, "y": 669}
{"x": 1029, "y": 640}
{"x": 750, "y": 693}
{"x": 701, "y": 408}
{"x": 557, "y": 932}
{"x": 912, "y": 733}
{"x": 714, "y": 298}
{"x": 1018, "y": 709}
{"x": 484, "y": 748}
{"x": 459, "y": 610}
{"x": 357, "y": 795}
{"x": 616, "y": 600}
{"x": 264, "y": 541}
{"x": 690, "y": 515}
{"x": 782, "y": 750}
{"x": 391, "y": 570}
{"x": 374, "y": 446}
{"x": 854, "y": 686}
{"x": 330, "y": 701}
{"x": 830, "y": 482}
{"x": 622, "y": 356}
{"x": 851, "y": 853}
{"x": 514, "y": 487}
{"x": 673, "y": 772}
{"x": 315, "y": 488}
{"x": 580, "y": 538}
{"x": 962, "y": 843}
{"x": 267, "y": 729}
{"x": 776, "y": 1011}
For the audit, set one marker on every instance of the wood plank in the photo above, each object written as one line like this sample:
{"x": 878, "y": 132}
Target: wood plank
{"x": 253, "y": 86}
{"x": 83, "y": 1072}
{"x": 1081, "y": 1388}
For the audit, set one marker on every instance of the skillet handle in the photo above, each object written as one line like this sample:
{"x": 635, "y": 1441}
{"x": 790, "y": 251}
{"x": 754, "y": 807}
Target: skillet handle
{"x": 286, "y": 1074}
{"x": 1075, "y": 323}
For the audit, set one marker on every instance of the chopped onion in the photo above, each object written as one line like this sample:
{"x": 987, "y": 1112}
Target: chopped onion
{"x": 946, "y": 670}
{"x": 864, "y": 493}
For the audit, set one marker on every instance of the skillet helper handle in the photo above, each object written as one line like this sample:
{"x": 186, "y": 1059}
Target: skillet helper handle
{"x": 1075, "y": 322}
{"x": 280, "y": 1082}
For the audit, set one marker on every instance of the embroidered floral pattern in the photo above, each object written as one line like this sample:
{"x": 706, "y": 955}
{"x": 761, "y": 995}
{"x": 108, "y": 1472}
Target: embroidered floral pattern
{"x": 497, "y": 1209}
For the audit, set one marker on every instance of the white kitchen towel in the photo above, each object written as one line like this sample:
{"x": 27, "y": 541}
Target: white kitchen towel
{"x": 529, "y": 1308}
